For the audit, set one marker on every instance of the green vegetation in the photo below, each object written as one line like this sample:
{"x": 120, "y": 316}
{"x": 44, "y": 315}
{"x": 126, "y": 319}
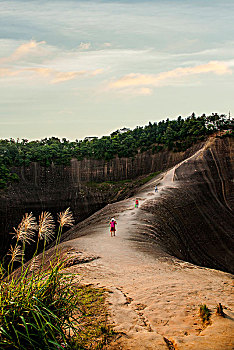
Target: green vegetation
{"x": 6, "y": 176}
{"x": 93, "y": 330}
{"x": 204, "y": 314}
{"x": 36, "y": 308}
{"x": 147, "y": 178}
{"x": 121, "y": 188}
{"x": 42, "y": 307}
{"x": 176, "y": 135}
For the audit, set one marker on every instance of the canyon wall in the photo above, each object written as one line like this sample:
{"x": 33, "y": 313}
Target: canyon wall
{"x": 194, "y": 220}
{"x": 55, "y": 188}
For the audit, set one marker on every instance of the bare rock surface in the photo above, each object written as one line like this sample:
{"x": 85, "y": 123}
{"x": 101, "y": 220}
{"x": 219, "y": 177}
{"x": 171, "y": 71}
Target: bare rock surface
{"x": 56, "y": 187}
{"x": 154, "y": 298}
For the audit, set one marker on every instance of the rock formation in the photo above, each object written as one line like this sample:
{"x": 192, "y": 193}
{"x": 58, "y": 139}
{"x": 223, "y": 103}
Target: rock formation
{"x": 155, "y": 298}
{"x": 55, "y": 188}
{"x": 194, "y": 220}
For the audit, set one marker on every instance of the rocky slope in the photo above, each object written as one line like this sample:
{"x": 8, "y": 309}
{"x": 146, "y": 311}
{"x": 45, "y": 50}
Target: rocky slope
{"x": 154, "y": 298}
{"x": 194, "y": 220}
{"x": 55, "y": 188}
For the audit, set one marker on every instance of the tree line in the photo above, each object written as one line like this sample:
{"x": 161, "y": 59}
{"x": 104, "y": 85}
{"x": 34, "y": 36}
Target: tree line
{"x": 175, "y": 135}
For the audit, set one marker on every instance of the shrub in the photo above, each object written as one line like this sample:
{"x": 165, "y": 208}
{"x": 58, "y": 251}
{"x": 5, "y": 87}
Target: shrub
{"x": 37, "y": 302}
{"x": 205, "y": 313}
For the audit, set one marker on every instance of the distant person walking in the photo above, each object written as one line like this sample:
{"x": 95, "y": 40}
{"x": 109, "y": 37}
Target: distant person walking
{"x": 113, "y": 223}
{"x": 156, "y": 188}
{"x": 136, "y": 203}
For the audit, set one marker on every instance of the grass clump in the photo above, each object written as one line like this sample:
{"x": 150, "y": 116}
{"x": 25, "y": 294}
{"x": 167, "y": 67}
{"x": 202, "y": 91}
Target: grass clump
{"x": 122, "y": 188}
{"x": 204, "y": 314}
{"x": 36, "y": 300}
{"x": 93, "y": 330}
{"x": 36, "y": 310}
{"x": 149, "y": 177}
{"x": 41, "y": 307}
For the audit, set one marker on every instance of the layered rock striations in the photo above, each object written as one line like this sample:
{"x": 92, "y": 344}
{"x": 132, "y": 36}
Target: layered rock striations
{"x": 155, "y": 298}
{"x": 194, "y": 220}
{"x": 55, "y": 188}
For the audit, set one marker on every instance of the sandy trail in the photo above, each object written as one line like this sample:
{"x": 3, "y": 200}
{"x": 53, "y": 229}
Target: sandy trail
{"x": 154, "y": 298}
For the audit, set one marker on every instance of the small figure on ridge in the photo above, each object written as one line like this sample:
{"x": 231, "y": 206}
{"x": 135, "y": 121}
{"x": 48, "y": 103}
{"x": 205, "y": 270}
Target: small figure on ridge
{"x": 156, "y": 188}
{"x": 112, "y": 226}
{"x": 136, "y": 203}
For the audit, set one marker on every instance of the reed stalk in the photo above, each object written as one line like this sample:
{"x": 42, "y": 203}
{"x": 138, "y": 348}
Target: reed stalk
{"x": 65, "y": 219}
{"x": 36, "y": 305}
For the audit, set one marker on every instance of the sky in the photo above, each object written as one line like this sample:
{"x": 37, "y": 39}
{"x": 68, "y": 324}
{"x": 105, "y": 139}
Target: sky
{"x": 72, "y": 68}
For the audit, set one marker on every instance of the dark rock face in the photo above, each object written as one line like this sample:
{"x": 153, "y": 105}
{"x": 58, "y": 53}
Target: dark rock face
{"x": 194, "y": 221}
{"x": 57, "y": 187}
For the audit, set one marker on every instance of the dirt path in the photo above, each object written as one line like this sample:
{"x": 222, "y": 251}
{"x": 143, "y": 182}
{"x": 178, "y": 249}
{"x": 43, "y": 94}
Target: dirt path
{"x": 154, "y": 298}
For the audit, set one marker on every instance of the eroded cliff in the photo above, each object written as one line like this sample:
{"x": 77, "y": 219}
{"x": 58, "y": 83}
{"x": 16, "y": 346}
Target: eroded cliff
{"x": 55, "y": 188}
{"x": 155, "y": 297}
{"x": 194, "y": 220}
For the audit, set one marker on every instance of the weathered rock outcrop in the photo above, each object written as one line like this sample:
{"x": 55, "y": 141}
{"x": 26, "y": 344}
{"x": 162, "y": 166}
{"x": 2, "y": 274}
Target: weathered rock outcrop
{"x": 56, "y": 187}
{"x": 194, "y": 220}
{"x": 155, "y": 297}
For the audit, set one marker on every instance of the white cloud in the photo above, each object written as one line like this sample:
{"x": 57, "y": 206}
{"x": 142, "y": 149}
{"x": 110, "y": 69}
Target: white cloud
{"x": 53, "y": 76}
{"x": 107, "y": 45}
{"x": 59, "y": 77}
{"x": 135, "y": 91}
{"x": 168, "y": 77}
{"x": 84, "y": 46}
{"x": 22, "y": 51}
{"x": 65, "y": 111}
{"x": 144, "y": 91}
{"x": 6, "y": 72}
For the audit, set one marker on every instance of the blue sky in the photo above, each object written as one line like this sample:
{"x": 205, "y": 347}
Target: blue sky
{"x": 83, "y": 68}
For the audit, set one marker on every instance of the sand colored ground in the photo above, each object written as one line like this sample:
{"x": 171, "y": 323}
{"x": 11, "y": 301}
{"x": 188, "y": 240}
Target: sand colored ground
{"x": 153, "y": 298}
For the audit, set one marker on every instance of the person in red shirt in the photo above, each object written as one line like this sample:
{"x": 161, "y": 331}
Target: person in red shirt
{"x": 113, "y": 223}
{"x": 136, "y": 203}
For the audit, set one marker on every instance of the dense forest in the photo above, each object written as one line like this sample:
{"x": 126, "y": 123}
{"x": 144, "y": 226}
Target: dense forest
{"x": 176, "y": 135}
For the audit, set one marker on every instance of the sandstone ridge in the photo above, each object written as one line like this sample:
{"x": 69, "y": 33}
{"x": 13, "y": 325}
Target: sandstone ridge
{"x": 192, "y": 217}
{"x": 55, "y": 188}
{"x": 154, "y": 297}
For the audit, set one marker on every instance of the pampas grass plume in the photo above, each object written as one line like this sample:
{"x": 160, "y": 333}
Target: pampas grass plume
{"x": 65, "y": 218}
{"x": 46, "y": 226}
{"x": 15, "y": 253}
{"x": 26, "y": 229}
